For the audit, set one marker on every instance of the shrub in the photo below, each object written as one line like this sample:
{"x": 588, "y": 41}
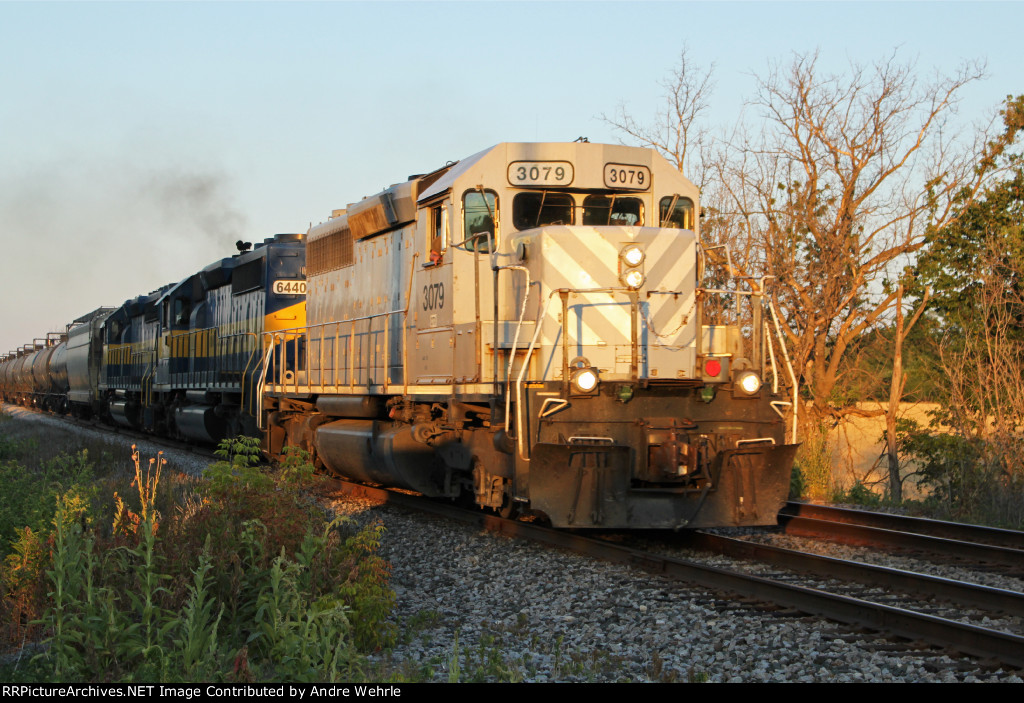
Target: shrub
{"x": 971, "y": 478}
{"x": 858, "y": 494}
{"x": 238, "y": 578}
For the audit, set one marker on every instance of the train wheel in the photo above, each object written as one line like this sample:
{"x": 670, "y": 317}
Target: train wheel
{"x": 509, "y": 508}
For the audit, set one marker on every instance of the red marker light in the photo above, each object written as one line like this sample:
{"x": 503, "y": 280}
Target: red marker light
{"x": 712, "y": 367}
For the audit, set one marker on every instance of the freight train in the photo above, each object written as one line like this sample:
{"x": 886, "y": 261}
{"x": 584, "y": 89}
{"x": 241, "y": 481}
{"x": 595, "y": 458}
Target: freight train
{"x": 538, "y": 327}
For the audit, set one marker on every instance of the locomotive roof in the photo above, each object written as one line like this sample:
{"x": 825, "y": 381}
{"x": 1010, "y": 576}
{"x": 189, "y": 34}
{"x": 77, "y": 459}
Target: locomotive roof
{"x": 104, "y": 312}
{"x": 588, "y": 159}
{"x": 445, "y": 182}
{"x": 488, "y": 167}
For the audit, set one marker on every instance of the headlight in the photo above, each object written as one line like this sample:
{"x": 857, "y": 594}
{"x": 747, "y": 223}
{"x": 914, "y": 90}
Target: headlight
{"x": 748, "y": 382}
{"x": 633, "y": 279}
{"x": 632, "y": 255}
{"x": 631, "y": 272}
{"x": 584, "y": 380}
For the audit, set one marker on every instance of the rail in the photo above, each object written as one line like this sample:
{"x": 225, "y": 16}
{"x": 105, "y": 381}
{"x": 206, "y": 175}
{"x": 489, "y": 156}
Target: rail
{"x": 868, "y": 535}
{"x": 146, "y": 358}
{"x": 762, "y": 284}
{"x": 131, "y": 364}
{"x": 212, "y": 359}
{"x": 635, "y": 315}
{"x": 966, "y": 638}
{"x": 261, "y": 386}
{"x": 904, "y": 523}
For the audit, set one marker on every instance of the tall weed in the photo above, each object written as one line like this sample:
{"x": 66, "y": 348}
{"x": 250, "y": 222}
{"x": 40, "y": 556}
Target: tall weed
{"x": 241, "y": 580}
{"x": 813, "y": 463}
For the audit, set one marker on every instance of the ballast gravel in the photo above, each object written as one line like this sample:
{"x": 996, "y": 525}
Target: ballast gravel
{"x": 475, "y": 606}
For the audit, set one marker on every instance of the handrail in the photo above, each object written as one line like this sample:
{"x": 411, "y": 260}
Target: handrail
{"x": 147, "y": 375}
{"x": 245, "y": 371}
{"x": 188, "y": 341}
{"x": 318, "y": 333}
{"x": 564, "y": 293}
{"x": 515, "y": 338}
{"x": 789, "y": 365}
{"x": 260, "y": 386}
{"x": 539, "y": 323}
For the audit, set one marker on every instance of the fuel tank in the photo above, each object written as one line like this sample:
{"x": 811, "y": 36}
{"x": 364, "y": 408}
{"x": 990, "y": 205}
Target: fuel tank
{"x": 381, "y": 452}
{"x": 200, "y": 423}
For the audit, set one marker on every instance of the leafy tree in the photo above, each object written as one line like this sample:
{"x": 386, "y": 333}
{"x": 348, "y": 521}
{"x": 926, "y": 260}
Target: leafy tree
{"x": 976, "y": 266}
{"x": 984, "y": 242}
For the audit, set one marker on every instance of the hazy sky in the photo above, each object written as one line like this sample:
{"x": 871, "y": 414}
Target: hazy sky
{"x": 139, "y": 141}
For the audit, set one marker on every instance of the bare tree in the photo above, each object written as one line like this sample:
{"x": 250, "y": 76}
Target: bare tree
{"x": 838, "y": 188}
{"x": 830, "y": 184}
{"x": 678, "y": 132}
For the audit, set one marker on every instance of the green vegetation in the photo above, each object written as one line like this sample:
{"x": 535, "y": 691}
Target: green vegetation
{"x": 858, "y": 494}
{"x": 971, "y": 478}
{"x": 812, "y": 470}
{"x": 156, "y": 576}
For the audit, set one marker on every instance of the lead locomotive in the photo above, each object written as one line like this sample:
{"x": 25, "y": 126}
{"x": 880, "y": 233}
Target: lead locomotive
{"x": 528, "y": 325}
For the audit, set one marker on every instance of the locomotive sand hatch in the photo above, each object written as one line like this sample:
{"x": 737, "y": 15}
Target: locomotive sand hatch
{"x": 527, "y": 326}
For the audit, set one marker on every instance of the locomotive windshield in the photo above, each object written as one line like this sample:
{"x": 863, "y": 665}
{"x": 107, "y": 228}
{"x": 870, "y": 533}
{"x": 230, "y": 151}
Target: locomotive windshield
{"x": 533, "y": 209}
{"x": 536, "y": 209}
{"x": 604, "y": 210}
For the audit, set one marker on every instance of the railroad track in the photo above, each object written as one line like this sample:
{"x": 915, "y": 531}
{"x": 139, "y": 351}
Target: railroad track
{"x": 136, "y": 436}
{"x": 902, "y": 523}
{"x": 973, "y": 544}
{"x": 116, "y": 431}
{"x": 850, "y": 604}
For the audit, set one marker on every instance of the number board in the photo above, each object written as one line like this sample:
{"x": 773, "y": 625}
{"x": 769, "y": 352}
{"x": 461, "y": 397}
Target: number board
{"x": 540, "y": 173}
{"x": 627, "y": 177}
{"x": 289, "y": 287}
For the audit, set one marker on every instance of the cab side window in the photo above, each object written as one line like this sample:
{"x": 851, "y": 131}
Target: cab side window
{"x": 438, "y": 231}
{"x": 480, "y": 215}
{"x": 676, "y": 212}
{"x": 182, "y": 312}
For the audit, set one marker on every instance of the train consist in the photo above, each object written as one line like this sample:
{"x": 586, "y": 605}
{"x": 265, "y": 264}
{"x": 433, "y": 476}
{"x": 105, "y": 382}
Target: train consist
{"x": 182, "y": 361}
{"x": 531, "y": 327}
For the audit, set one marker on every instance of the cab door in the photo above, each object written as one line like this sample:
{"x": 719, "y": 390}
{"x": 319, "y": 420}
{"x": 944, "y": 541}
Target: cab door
{"x": 431, "y": 357}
